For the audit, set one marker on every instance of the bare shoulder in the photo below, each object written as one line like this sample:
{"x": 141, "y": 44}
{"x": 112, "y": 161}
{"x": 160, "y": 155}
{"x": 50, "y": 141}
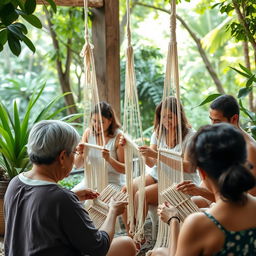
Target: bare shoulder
{"x": 196, "y": 223}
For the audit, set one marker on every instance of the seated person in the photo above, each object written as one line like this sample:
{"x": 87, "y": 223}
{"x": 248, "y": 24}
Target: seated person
{"x": 229, "y": 226}
{"x": 42, "y": 218}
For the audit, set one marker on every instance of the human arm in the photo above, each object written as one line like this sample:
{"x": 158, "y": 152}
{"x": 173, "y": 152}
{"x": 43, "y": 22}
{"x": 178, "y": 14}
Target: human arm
{"x": 117, "y": 164}
{"x": 169, "y": 215}
{"x": 176, "y": 164}
{"x": 86, "y": 194}
{"x": 115, "y": 208}
{"x": 150, "y": 154}
{"x": 190, "y": 188}
{"x": 81, "y": 150}
{"x": 78, "y": 228}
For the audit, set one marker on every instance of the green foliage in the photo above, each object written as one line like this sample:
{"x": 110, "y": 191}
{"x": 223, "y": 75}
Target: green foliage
{"x": 71, "y": 181}
{"x": 13, "y": 31}
{"x": 248, "y": 10}
{"x": 14, "y": 130}
{"x": 150, "y": 80}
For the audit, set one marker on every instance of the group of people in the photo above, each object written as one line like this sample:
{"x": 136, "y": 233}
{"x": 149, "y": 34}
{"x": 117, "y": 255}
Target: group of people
{"x": 42, "y": 218}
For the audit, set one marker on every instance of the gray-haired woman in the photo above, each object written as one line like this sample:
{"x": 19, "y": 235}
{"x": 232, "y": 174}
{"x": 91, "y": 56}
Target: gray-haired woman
{"x": 43, "y": 218}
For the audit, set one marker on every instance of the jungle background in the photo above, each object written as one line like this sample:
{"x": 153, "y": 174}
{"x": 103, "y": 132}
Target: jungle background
{"x": 216, "y": 48}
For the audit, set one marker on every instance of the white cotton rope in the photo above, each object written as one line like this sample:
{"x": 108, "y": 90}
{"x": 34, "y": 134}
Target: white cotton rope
{"x": 98, "y": 211}
{"x": 132, "y": 126}
{"x": 96, "y": 176}
{"x": 171, "y": 87}
{"x": 180, "y": 201}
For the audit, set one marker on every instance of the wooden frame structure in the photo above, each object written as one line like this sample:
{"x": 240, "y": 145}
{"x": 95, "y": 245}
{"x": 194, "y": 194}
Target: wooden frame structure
{"x": 105, "y": 38}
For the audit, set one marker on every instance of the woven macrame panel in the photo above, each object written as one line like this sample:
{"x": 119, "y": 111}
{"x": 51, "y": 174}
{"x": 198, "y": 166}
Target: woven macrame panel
{"x": 92, "y": 3}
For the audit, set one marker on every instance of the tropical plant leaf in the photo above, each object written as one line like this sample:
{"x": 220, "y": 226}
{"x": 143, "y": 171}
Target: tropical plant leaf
{"x": 240, "y": 72}
{"x": 16, "y": 128}
{"x": 29, "y": 44}
{"x": 43, "y": 113}
{"x": 14, "y": 44}
{"x": 32, "y": 19}
{"x": 30, "y": 6}
{"x": 53, "y": 5}
{"x": 72, "y": 117}
{"x": 3, "y": 36}
{"x": 246, "y": 70}
{"x": 244, "y": 92}
{"x": 250, "y": 81}
{"x": 209, "y": 98}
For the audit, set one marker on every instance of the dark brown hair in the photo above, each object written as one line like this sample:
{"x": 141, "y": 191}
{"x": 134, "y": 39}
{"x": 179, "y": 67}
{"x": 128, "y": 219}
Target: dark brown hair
{"x": 171, "y": 104}
{"x": 220, "y": 150}
{"x": 108, "y": 112}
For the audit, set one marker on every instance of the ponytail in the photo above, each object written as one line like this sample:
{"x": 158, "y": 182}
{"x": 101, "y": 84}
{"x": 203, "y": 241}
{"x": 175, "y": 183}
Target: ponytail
{"x": 235, "y": 181}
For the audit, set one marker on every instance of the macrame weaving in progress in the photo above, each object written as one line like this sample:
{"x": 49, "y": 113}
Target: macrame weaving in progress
{"x": 99, "y": 209}
{"x": 182, "y": 202}
{"x": 170, "y": 145}
{"x": 134, "y": 162}
{"x": 96, "y": 176}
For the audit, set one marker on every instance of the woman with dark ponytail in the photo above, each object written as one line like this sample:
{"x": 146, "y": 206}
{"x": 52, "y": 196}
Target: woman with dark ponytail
{"x": 229, "y": 226}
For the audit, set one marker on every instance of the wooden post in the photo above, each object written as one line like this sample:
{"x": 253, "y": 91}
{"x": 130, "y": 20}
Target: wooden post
{"x": 105, "y": 37}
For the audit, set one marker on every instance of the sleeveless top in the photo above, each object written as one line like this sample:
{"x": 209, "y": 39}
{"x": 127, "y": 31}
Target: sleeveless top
{"x": 95, "y": 155}
{"x": 237, "y": 243}
{"x": 187, "y": 176}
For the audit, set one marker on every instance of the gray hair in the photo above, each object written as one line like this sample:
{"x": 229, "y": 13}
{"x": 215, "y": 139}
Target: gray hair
{"x": 47, "y": 139}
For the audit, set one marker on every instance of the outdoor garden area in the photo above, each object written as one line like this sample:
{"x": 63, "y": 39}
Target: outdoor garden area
{"x": 42, "y": 74}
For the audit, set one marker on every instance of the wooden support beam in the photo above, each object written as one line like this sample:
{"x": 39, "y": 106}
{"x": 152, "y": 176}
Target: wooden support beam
{"x": 91, "y": 3}
{"x": 105, "y": 37}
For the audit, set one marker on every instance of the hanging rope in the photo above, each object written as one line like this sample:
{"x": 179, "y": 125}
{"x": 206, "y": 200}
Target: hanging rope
{"x": 134, "y": 162}
{"x": 96, "y": 176}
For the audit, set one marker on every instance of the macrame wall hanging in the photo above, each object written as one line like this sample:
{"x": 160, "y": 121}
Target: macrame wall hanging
{"x": 182, "y": 202}
{"x": 96, "y": 176}
{"x": 98, "y": 211}
{"x": 170, "y": 149}
{"x": 134, "y": 162}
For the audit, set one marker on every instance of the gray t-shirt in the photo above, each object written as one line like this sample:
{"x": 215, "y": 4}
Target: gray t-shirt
{"x": 49, "y": 220}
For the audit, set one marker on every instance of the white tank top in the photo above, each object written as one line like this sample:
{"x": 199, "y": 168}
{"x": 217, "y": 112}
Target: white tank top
{"x": 95, "y": 155}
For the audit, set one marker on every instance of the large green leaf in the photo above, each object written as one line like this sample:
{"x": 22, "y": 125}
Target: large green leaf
{"x": 244, "y": 92}
{"x": 15, "y": 31}
{"x": 44, "y": 112}
{"x": 14, "y": 44}
{"x": 3, "y": 36}
{"x": 29, "y": 44}
{"x": 209, "y": 98}
{"x": 16, "y": 128}
{"x": 32, "y": 19}
{"x": 30, "y": 6}
{"x": 8, "y": 14}
{"x": 53, "y": 5}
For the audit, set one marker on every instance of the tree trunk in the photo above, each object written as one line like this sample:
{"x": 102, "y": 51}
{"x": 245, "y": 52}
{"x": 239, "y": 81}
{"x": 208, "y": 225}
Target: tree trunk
{"x": 64, "y": 76}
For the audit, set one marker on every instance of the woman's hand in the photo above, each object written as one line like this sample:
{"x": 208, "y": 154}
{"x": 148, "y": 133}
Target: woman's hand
{"x": 106, "y": 154}
{"x": 117, "y": 207}
{"x": 86, "y": 194}
{"x": 188, "y": 187}
{"x": 166, "y": 211}
{"x": 81, "y": 148}
{"x": 146, "y": 151}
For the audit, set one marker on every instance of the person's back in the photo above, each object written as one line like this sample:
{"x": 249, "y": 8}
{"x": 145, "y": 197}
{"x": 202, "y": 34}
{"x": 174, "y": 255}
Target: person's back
{"x": 224, "y": 229}
{"x": 229, "y": 226}
{"x": 45, "y": 219}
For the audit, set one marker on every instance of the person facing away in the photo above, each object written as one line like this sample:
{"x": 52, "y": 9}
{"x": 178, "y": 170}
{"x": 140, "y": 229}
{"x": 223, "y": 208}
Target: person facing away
{"x": 225, "y": 109}
{"x": 229, "y": 226}
{"x": 43, "y": 218}
{"x": 113, "y": 152}
{"x": 168, "y": 110}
